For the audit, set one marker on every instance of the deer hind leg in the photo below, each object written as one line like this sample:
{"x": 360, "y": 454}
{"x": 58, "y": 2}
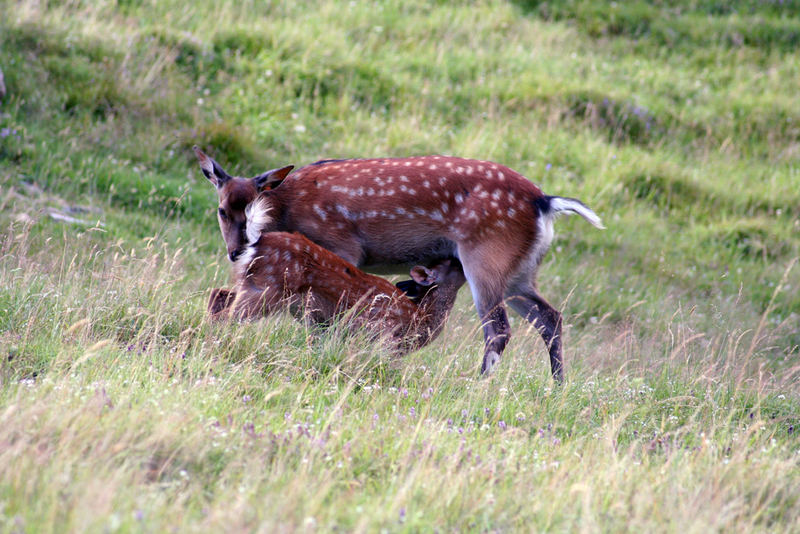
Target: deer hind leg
{"x": 526, "y": 301}
{"x": 486, "y": 275}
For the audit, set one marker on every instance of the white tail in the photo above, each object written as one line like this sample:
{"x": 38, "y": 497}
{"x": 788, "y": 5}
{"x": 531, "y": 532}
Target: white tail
{"x": 573, "y": 205}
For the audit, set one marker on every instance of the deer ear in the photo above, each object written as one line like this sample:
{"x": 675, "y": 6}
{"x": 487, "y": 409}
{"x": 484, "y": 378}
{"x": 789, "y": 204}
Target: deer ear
{"x": 273, "y": 178}
{"x": 422, "y": 275}
{"x": 211, "y": 169}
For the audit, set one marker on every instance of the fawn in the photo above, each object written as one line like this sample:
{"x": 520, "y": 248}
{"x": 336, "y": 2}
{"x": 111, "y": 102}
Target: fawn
{"x": 280, "y": 270}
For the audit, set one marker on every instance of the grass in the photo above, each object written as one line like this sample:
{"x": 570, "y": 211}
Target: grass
{"x": 123, "y": 409}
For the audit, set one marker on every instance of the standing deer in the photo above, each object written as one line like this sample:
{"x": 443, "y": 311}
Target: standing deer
{"x": 389, "y": 211}
{"x": 279, "y": 270}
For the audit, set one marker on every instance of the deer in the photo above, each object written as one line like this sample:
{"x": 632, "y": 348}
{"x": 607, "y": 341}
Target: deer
{"x": 286, "y": 271}
{"x": 383, "y": 212}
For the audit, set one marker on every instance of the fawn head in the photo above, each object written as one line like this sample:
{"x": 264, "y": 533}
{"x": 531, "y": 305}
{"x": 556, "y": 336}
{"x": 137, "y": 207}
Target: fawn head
{"x": 234, "y": 195}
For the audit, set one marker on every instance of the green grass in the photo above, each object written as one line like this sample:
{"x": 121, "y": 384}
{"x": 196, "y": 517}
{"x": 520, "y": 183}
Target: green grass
{"x": 123, "y": 408}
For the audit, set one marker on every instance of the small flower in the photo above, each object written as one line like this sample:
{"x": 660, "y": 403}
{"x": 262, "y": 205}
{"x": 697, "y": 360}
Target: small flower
{"x": 548, "y": 166}
{"x": 246, "y": 399}
{"x": 501, "y": 424}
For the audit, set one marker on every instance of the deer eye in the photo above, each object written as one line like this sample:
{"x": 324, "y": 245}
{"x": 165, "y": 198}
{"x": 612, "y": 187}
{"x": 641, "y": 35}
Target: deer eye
{"x": 222, "y": 214}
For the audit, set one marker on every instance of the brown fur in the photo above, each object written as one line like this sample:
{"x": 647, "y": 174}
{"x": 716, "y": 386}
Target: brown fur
{"x": 287, "y": 271}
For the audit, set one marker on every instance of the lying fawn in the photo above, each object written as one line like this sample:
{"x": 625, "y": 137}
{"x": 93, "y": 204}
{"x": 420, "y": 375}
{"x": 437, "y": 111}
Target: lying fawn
{"x": 279, "y": 270}
{"x": 389, "y": 211}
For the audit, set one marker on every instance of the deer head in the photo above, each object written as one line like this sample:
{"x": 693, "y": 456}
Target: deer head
{"x": 235, "y": 194}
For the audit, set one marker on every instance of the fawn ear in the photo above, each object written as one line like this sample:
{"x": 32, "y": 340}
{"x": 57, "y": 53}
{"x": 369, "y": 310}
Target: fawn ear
{"x": 423, "y": 276}
{"x": 272, "y": 178}
{"x": 212, "y": 170}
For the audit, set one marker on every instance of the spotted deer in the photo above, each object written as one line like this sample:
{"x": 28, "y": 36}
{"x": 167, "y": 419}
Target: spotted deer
{"x": 281, "y": 270}
{"x": 390, "y": 211}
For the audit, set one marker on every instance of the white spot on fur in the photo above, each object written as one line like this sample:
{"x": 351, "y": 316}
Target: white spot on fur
{"x": 511, "y": 212}
{"x": 445, "y": 207}
{"x": 345, "y": 213}
{"x": 501, "y": 176}
{"x": 432, "y": 167}
{"x": 426, "y": 184}
{"x": 469, "y": 170}
{"x": 407, "y": 163}
{"x": 496, "y": 194}
{"x": 459, "y": 198}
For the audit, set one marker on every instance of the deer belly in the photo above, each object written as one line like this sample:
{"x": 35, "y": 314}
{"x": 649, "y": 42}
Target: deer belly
{"x": 390, "y": 253}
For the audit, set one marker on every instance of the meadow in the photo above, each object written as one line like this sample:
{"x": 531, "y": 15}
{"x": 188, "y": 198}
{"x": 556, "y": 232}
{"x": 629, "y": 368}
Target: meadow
{"x": 123, "y": 409}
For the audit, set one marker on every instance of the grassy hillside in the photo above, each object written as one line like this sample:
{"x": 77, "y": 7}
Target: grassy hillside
{"x": 123, "y": 409}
